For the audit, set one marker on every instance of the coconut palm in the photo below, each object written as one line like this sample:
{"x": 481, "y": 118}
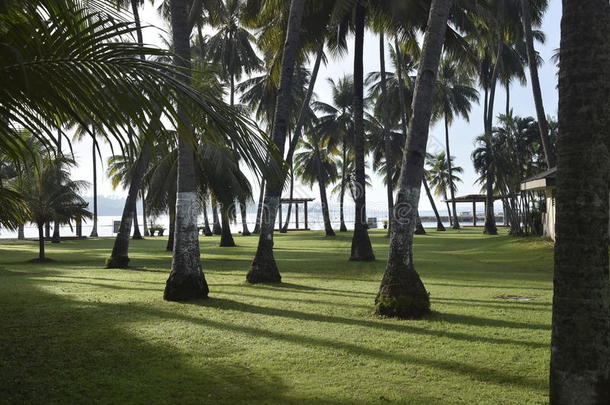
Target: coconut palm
{"x": 402, "y": 293}
{"x": 454, "y": 95}
{"x": 120, "y": 172}
{"x": 441, "y": 179}
{"x": 316, "y": 164}
{"x": 337, "y": 122}
{"x": 580, "y": 339}
{"x": 264, "y": 267}
{"x": 45, "y": 185}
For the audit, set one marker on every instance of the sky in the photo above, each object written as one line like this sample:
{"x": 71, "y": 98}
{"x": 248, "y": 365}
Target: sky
{"x": 462, "y": 132}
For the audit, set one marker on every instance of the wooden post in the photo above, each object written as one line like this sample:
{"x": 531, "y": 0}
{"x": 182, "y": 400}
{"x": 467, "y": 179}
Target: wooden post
{"x": 474, "y": 213}
{"x": 296, "y": 214}
{"x": 280, "y": 215}
{"x": 305, "y": 209}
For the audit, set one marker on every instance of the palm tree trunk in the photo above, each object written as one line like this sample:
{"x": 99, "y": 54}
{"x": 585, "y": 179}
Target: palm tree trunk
{"x": 342, "y": 227}
{"x": 259, "y": 208}
{"x": 94, "y": 159}
{"x": 298, "y": 129}
{"x": 455, "y": 224}
{"x": 328, "y": 228}
{"x": 21, "y": 232}
{"x": 41, "y": 254}
{"x": 419, "y": 227}
{"x": 226, "y": 239}
{"x": 144, "y": 215}
{"x": 507, "y": 86}
{"x": 136, "y": 227}
{"x": 402, "y": 293}
{"x": 387, "y": 139}
{"x": 580, "y": 343}
{"x": 439, "y": 223}
{"x": 264, "y": 267}
{"x": 244, "y": 219}
{"x": 47, "y": 231}
{"x": 449, "y": 211}
{"x": 362, "y": 250}
{"x": 216, "y": 227}
{"x": 535, "y": 83}
{"x": 186, "y": 280}
{"x": 206, "y": 222}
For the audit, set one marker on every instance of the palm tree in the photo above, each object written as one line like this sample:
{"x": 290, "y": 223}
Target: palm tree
{"x": 485, "y": 164}
{"x": 121, "y": 172}
{"x": 526, "y": 16}
{"x": 580, "y": 369}
{"x": 337, "y": 121}
{"x": 45, "y": 185}
{"x": 402, "y": 293}
{"x": 440, "y": 179}
{"x": 454, "y": 94}
{"x": 315, "y": 163}
{"x": 264, "y": 267}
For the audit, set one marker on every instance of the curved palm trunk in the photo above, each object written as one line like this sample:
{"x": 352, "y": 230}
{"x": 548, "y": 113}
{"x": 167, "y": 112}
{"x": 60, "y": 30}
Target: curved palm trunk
{"x": 144, "y": 218}
{"x": 216, "y": 227}
{"x": 402, "y": 293}
{"x": 328, "y": 228}
{"x": 580, "y": 343}
{"x": 244, "y": 219}
{"x": 455, "y": 224}
{"x": 226, "y": 239}
{"x": 136, "y": 227}
{"x": 186, "y": 280}
{"x": 535, "y": 82}
{"x": 342, "y": 227}
{"x": 297, "y": 132}
{"x": 259, "y": 208}
{"x": 362, "y": 250}
{"x": 389, "y": 161}
{"x": 94, "y": 160}
{"x": 206, "y": 222}
{"x": 439, "y": 223}
{"x": 264, "y": 267}
{"x": 41, "y": 253}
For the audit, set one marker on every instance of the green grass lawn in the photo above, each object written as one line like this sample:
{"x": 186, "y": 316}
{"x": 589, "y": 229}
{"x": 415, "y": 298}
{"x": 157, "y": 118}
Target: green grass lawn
{"x": 74, "y": 332}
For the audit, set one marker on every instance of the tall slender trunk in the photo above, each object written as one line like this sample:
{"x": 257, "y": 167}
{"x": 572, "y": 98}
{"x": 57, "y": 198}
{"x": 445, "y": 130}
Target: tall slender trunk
{"x": 580, "y": 343}
{"x": 206, "y": 222}
{"x": 300, "y": 122}
{"x": 328, "y": 228}
{"x": 144, "y": 218}
{"x": 342, "y": 227}
{"x": 186, "y": 280}
{"x": 216, "y": 227}
{"x": 136, "y": 226}
{"x": 490, "y": 220}
{"x": 264, "y": 267}
{"x": 56, "y": 236}
{"x": 439, "y": 223}
{"x": 402, "y": 293}
{"x": 362, "y": 250}
{"x": 119, "y": 258}
{"x": 244, "y": 219}
{"x": 47, "y": 231}
{"x": 387, "y": 138}
{"x": 21, "y": 232}
{"x": 259, "y": 208}
{"x": 455, "y": 224}
{"x": 41, "y": 255}
{"x": 226, "y": 239}
{"x": 507, "y": 87}
{"x": 535, "y": 83}
{"x": 94, "y": 160}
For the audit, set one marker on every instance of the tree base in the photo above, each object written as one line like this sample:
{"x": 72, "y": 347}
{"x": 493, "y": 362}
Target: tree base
{"x": 420, "y": 231}
{"x": 43, "y": 260}
{"x": 284, "y": 230}
{"x": 137, "y": 237}
{"x": 121, "y": 262}
{"x": 209, "y": 233}
{"x": 440, "y": 227}
{"x": 55, "y": 240}
{"x": 264, "y": 270}
{"x": 330, "y": 233}
{"x": 456, "y": 226}
{"x": 343, "y": 228}
{"x": 362, "y": 250}
{"x": 405, "y": 306}
{"x": 185, "y": 287}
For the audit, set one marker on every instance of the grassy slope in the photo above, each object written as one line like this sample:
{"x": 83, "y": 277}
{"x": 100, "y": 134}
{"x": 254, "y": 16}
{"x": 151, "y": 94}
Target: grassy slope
{"x": 72, "y": 330}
